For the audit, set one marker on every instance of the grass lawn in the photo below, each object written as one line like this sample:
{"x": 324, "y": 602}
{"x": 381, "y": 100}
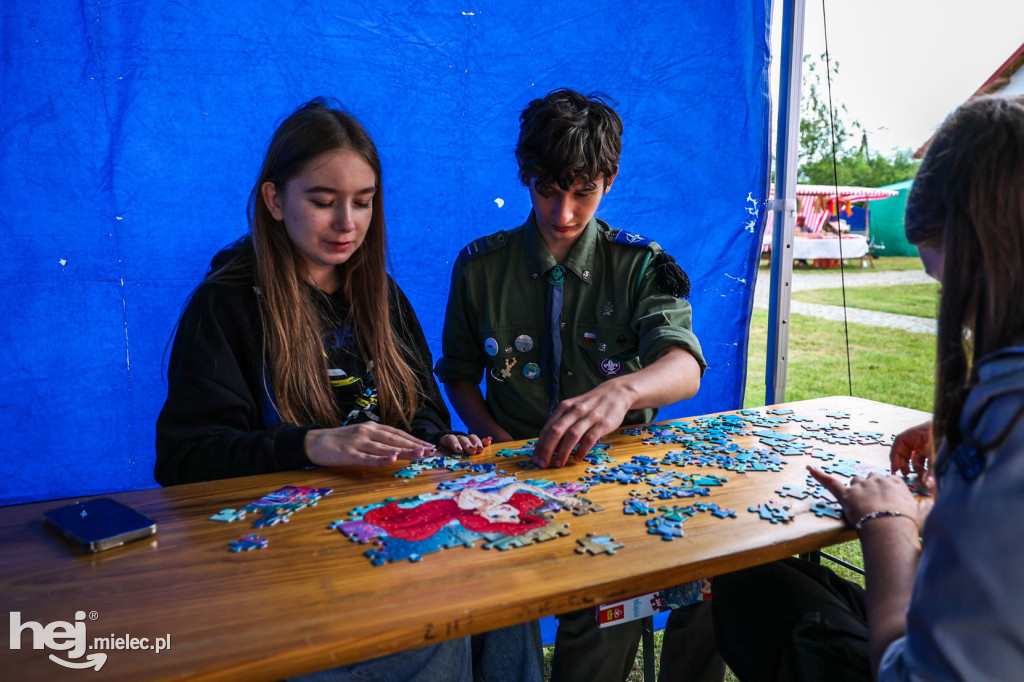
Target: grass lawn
{"x": 888, "y": 365}
{"x": 893, "y": 263}
{"x": 919, "y": 300}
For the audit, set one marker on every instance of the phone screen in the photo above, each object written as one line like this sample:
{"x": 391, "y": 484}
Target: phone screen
{"x": 96, "y": 525}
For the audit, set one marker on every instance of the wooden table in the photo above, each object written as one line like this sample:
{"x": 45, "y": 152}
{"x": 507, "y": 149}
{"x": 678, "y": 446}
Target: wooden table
{"x": 311, "y": 600}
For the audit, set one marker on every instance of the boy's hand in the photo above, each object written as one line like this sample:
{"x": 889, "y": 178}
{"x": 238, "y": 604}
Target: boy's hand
{"x": 581, "y": 421}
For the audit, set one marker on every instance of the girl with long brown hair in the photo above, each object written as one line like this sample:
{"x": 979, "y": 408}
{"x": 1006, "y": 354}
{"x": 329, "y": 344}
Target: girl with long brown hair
{"x": 944, "y": 597}
{"x": 298, "y": 349}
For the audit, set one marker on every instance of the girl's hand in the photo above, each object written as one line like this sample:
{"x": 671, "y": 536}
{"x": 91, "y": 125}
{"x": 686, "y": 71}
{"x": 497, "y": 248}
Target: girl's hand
{"x": 911, "y": 450}
{"x": 877, "y": 492}
{"x": 365, "y": 444}
{"x": 470, "y": 444}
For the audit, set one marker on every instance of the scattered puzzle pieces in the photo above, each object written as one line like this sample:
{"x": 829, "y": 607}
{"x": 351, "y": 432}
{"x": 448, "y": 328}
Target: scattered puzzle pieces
{"x": 720, "y": 512}
{"x": 700, "y": 442}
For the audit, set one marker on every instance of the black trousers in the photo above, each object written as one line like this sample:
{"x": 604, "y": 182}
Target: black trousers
{"x": 791, "y": 620}
{"x": 587, "y": 653}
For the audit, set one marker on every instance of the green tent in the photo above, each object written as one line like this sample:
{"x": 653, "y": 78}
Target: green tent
{"x": 887, "y": 238}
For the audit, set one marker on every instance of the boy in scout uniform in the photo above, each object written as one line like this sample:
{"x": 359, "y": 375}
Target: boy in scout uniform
{"x": 579, "y": 330}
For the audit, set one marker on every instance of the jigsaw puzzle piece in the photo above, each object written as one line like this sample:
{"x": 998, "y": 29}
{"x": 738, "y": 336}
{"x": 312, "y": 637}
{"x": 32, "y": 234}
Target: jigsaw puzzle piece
{"x": 823, "y": 455}
{"x": 676, "y": 513}
{"x": 772, "y": 511}
{"x": 636, "y": 506}
{"x": 794, "y": 491}
{"x": 598, "y": 544}
{"x": 587, "y": 508}
{"x": 822, "y": 508}
{"x": 722, "y": 513}
{"x": 665, "y": 527}
{"x": 228, "y": 515}
{"x": 248, "y": 543}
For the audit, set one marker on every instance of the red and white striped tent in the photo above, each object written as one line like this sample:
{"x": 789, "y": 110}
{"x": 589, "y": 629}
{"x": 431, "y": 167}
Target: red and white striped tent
{"x": 815, "y": 203}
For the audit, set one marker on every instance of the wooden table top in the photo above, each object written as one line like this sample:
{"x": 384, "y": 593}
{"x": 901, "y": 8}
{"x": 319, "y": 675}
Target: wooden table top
{"x": 312, "y": 600}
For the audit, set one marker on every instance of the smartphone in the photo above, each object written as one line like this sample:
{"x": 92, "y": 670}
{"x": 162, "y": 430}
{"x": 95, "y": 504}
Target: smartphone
{"x": 96, "y": 525}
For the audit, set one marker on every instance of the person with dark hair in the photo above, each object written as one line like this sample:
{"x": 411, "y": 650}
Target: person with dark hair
{"x": 579, "y": 329}
{"x": 943, "y": 598}
{"x": 298, "y": 349}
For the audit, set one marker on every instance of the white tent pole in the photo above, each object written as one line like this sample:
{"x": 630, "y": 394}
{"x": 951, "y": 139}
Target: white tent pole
{"x": 784, "y": 203}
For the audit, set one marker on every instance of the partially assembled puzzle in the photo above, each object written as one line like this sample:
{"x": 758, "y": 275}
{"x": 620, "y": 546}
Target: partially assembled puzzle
{"x": 494, "y": 508}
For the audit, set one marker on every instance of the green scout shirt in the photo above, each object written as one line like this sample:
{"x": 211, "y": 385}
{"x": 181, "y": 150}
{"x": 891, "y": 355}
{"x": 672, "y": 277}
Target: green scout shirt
{"x": 612, "y": 310}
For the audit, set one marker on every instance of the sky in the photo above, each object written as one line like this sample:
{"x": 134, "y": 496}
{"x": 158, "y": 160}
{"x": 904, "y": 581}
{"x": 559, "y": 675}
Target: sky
{"x": 905, "y": 64}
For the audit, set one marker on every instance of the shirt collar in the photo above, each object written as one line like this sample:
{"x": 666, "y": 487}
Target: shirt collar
{"x": 579, "y": 261}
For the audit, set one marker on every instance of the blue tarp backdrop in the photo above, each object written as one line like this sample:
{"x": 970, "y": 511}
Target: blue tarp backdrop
{"x": 131, "y": 134}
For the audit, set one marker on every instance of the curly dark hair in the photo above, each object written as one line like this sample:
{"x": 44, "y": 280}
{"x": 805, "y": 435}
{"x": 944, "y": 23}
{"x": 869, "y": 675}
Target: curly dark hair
{"x": 565, "y": 137}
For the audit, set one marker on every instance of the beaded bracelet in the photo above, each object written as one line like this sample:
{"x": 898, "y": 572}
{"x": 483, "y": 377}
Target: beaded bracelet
{"x": 875, "y": 515}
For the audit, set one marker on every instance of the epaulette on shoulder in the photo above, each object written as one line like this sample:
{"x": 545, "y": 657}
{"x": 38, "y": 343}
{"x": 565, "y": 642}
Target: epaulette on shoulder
{"x": 670, "y": 278}
{"x": 483, "y": 246}
{"x": 627, "y": 238}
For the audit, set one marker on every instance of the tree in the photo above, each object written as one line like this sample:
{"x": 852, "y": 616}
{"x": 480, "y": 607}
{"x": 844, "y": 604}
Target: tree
{"x": 853, "y": 165}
